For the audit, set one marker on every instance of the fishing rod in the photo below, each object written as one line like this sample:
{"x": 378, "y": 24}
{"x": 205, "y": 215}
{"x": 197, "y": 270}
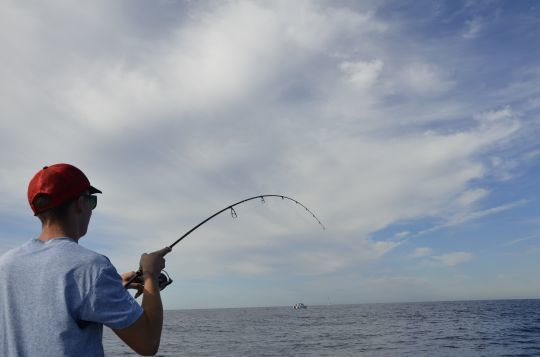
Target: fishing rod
{"x": 164, "y": 280}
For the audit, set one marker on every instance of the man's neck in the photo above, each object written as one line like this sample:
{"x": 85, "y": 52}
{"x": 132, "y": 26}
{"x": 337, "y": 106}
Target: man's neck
{"x": 53, "y": 231}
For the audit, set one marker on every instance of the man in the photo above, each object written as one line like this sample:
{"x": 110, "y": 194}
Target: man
{"x": 55, "y": 295}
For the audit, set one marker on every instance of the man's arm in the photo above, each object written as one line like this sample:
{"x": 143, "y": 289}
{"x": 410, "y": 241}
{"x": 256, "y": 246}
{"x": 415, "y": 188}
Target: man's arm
{"x": 145, "y": 334}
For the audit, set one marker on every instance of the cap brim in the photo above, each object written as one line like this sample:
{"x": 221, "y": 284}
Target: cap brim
{"x": 93, "y": 190}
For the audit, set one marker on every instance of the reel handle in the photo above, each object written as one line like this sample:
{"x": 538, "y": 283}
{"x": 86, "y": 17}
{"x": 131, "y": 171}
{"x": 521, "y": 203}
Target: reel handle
{"x": 164, "y": 279}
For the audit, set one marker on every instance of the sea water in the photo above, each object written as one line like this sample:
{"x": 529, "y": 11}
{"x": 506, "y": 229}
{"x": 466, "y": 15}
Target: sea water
{"x": 460, "y": 328}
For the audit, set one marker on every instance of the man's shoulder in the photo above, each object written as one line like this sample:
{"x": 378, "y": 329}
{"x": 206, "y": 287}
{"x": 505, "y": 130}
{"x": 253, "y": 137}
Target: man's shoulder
{"x": 82, "y": 263}
{"x": 15, "y": 252}
{"x": 62, "y": 250}
{"x": 83, "y": 256}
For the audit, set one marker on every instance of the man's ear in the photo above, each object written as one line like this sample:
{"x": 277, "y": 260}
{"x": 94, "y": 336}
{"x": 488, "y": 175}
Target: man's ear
{"x": 78, "y": 204}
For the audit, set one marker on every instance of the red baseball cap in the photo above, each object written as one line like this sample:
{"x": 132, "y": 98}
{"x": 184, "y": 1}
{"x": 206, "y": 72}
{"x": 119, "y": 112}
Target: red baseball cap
{"x": 61, "y": 183}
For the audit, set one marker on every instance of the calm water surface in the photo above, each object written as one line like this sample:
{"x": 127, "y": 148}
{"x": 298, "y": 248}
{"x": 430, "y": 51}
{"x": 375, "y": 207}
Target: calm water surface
{"x": 465, "y": 328}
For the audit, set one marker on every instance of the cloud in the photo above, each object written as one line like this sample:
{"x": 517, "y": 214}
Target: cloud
{"x": 490, "y": 116}
{"x": 519, "y": 240}
{"x": 363, "y": 74}
{"x": 422, "y": 252}
{"x": 402, "y": 234}
{"x": 423, "y": 78}
{"x": 484, "y": 213}
{"x": 176, "y": 120}
{"x": 473, "y": 28}
{"x": 453, "y": 259}
{"x": 462, "y": 217}
{"x": 471, "y": 196}
{"x": 393, "y": 281}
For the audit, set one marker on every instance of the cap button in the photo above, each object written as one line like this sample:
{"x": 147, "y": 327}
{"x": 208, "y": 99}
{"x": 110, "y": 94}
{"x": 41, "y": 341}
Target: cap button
{"x": 45, "y": 167}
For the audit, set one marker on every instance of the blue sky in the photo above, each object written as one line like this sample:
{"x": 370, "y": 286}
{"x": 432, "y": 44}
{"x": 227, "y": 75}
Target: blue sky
{"x": 409, "y": 128}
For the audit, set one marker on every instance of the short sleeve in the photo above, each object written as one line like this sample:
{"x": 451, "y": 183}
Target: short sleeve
{"x": 109, "y": 303}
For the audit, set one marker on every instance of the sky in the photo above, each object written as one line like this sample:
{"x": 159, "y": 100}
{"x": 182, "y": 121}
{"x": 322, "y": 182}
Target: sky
{"x": 408, "y": 127}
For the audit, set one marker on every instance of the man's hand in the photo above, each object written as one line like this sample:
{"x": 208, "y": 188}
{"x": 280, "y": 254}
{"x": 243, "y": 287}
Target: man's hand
{"x": 137, "y": 284}
{"x": 153, "y": 263}
{"x": 144, "y": 335}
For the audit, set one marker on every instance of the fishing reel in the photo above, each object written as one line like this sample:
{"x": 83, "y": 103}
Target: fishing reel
{"x": 164, "y": 280}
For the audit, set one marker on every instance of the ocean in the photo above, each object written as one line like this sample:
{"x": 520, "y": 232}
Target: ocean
{"x": 457, "y": 328}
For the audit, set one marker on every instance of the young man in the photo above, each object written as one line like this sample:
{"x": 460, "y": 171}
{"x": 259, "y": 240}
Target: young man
{"x": 55, "y": 295}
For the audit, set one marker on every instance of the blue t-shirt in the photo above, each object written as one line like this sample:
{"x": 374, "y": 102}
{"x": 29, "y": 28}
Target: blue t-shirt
{"x": 55, "y": 297}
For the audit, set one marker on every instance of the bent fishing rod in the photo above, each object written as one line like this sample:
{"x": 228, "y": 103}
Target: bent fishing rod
{"x": 164, "y": 280}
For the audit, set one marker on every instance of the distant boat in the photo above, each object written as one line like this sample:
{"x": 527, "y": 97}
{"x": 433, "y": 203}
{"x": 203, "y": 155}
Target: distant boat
{"x": 299, "y": 306}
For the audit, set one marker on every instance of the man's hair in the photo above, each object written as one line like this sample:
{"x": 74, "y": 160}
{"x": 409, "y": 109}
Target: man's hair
{"x": 55, "y": 214}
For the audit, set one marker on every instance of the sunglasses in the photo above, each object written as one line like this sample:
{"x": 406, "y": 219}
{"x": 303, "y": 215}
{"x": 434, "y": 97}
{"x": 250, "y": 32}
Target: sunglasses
{"x": 92, "y": 200}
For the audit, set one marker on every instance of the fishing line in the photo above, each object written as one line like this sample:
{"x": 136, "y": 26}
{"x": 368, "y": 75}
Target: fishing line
{"x": 165, "y": 280}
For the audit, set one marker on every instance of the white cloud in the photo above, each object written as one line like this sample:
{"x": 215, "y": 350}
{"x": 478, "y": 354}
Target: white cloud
{"x": 471, "y": 196}
{"x": 519, "y": 240}
{"x": 423, "y": 78}
{"x": 458, "y": 219}
{"x": 402, "y": 234}
{"x": 393, "y": 281}
{"x": 465, "y": 216}
{"x": 362, "y": 74}
{"x": 233, "y": 100}
{"x": 452, "y": 259}
{"x": 533, "y": 103}
{"x": 503, "y": 114}
{"x": 473, "y": 28}
{"x": 422, "y": 252}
